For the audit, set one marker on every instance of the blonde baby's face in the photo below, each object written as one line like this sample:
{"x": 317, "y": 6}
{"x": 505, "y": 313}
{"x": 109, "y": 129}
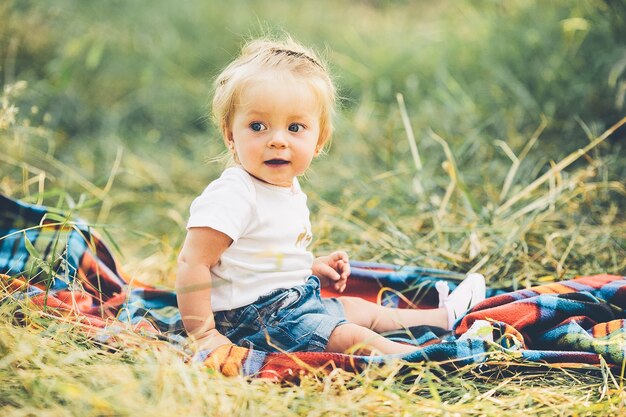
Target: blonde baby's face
{"x": 275, "y": 127}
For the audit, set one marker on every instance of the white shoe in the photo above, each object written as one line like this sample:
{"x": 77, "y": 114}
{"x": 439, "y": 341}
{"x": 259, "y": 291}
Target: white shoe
{"x": 466, "y": 295}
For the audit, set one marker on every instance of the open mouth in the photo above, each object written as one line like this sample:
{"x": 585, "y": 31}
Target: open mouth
{"x": 276, "y": 162}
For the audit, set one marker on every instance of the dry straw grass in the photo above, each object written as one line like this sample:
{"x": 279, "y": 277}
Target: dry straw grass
{"x": 441, "y": 176}
{"x": 50, "y": 367}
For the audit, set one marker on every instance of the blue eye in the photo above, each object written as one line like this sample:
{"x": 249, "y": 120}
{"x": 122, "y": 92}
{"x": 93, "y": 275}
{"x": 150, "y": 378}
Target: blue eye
{"x": 257, "y": 126}
{"x": 295, "y": 127}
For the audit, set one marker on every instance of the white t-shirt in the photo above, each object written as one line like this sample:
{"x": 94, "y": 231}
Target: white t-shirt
{"x": 270, "y": 229}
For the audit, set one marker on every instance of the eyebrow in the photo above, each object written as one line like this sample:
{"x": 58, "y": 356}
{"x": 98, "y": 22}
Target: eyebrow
{"x": 256, "y": 112}
{"x": 264, "y": 114}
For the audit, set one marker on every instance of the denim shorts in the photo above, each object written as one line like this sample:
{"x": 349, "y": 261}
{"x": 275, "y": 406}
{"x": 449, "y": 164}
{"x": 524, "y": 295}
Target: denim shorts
{"x": 284, "y": 320}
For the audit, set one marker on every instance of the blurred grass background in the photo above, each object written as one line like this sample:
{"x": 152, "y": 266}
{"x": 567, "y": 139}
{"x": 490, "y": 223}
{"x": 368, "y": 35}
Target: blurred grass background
{"x": 105, "y": 104}
{"x": 115, "y": 111}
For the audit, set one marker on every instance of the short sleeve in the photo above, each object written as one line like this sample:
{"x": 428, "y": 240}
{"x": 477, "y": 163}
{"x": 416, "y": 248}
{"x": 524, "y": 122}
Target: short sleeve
{"x": 226, "y": 205}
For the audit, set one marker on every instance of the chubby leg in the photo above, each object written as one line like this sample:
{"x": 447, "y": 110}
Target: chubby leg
{"x": 367, "y": 319}
{"x": 451, "y": 306}
{"x": 357, "y": 339}
{"x": 382, "y": 319}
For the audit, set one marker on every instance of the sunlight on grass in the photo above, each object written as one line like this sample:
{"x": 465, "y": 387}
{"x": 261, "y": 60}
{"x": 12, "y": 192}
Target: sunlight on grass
{"x": 473, "y": 136}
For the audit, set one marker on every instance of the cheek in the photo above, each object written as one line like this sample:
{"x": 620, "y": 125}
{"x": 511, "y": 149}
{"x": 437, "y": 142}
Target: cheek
{"x": 248, "y": 147}
{"x": 307, "y": 152}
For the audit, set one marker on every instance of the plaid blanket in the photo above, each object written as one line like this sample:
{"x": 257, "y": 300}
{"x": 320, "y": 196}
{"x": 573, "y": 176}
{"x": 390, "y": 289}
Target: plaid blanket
{"x": 59, "y": 262}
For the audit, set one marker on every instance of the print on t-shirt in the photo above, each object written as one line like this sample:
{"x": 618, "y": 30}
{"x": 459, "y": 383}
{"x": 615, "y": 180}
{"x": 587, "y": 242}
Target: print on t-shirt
{"x": 304, "y": 239}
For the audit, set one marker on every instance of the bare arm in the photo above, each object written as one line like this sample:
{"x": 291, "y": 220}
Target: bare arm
{"x": 201, "y": 250}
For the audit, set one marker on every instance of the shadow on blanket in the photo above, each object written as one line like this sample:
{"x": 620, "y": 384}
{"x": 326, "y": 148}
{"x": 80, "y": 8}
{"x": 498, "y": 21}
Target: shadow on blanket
{"x": 569, "y": 323}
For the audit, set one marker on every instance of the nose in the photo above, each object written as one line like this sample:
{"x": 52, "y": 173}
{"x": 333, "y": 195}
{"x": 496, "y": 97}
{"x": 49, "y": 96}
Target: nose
{"x": 277, "y": 140}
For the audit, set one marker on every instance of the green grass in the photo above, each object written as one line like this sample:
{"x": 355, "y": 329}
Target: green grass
{"x": 112, "y": 125}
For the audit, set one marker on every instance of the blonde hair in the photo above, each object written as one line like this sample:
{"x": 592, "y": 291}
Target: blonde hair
{"x": 264, "y": 54}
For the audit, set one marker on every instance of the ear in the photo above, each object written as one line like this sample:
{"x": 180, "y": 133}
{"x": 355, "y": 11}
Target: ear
{"x": 320, "y": 146}
{"x": 228, "y": 137}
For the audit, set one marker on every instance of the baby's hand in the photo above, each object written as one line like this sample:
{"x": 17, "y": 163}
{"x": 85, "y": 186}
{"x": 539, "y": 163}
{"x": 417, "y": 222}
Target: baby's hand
{"x": 333, "y": 268}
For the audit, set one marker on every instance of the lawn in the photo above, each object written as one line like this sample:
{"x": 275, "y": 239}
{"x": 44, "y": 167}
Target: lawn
{"x": 104, "y": 113}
